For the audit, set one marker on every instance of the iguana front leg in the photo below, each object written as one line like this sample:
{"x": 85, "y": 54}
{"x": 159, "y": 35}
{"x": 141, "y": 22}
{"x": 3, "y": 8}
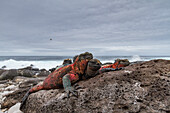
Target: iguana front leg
{"x": 106, "y": 70}
{"x": 67, "y": 86}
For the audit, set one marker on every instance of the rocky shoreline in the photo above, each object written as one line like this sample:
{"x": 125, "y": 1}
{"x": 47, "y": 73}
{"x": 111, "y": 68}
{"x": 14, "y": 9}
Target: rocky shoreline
{"x": 141, "y": 87}
{"x": 15, "y": 82}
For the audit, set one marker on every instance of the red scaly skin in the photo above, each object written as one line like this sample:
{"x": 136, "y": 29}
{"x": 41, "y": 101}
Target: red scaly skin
{"x": 54, "y": 80}
{"x": 114, "y": 66}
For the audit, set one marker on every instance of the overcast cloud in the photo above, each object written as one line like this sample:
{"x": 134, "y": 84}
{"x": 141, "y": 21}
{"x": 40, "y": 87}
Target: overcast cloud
{"x": 103, "y": 27}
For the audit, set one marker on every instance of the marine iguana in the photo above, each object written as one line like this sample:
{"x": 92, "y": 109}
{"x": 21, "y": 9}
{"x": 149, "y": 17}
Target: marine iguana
{"x": 60, "y": 77}
{"x": 94, "y": 67}
{"x": 117, "y": 64}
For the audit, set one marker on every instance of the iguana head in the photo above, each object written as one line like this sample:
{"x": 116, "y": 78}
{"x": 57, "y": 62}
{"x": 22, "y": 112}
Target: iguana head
{"x": 67, "y": 61}
{"x": 93, "y": 66}
{"x": 81, "y": 61}
{"x": 85, "y": 56}
{"x": 122, "y": 62}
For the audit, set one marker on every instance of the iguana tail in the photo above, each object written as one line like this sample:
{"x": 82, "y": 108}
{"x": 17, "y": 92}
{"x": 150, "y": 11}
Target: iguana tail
{"x": 24, "y": 99}
{"x": 36, "y": 88}
{"x": 32, "y": 90}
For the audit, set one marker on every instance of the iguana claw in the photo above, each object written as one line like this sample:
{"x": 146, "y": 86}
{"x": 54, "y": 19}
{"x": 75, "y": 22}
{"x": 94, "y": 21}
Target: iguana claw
{"x": 76, "y": 86}
{"x": 71, "y": 90}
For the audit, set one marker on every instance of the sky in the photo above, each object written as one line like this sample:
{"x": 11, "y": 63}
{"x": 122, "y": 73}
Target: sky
{"x": 102, "y": 27}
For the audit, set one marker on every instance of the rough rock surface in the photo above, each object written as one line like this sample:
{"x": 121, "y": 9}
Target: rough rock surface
{"x": 13, "y": 98}
{"x": 43, "y": 73}
{"x": 139, "y": 88}
{"x": 25, "y": 72}
{"x": 11, "y": 92}
{"x": 1, "y": 71}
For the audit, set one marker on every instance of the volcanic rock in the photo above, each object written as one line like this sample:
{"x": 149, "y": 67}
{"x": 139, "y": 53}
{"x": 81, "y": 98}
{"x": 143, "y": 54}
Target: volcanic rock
{"x": 20, "y": 86}
{"x": 43, "y": 74}
{"x": 139, "y": 88}
{"x": 9, "y": 74}
{"x": 1, "y": 71}
{"x": 3, "y": 67}
{"x": 26, "y": 73}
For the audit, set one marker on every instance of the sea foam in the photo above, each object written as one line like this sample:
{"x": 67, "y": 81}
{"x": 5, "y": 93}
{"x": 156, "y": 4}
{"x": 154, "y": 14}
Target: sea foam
{"x": 13, "y": 64}
{"x": 136, "y": 58}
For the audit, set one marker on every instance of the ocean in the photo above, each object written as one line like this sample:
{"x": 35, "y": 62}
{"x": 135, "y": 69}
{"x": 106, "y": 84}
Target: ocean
{"x": 48, "y": 62}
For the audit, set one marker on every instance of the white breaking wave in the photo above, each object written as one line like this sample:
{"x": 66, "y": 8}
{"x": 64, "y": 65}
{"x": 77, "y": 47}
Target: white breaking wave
{"x": 166, "y": 58}
{"x": 131, "y": 59}
{"x": 13, "y": 64}
{"x": 136, "y": 58}
{"x": 106, "y": 61}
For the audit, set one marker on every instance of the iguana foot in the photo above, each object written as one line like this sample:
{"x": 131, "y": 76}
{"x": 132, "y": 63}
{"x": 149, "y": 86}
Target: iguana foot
{"x": 71, "y": 90}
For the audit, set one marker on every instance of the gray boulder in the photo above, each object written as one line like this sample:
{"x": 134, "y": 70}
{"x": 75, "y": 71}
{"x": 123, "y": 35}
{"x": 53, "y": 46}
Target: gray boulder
{"x": 3, "y": 67}
{"x": 1, "y": 71}
{"x": 26, "y": 73}
{"x": 43, "y": 74}
{"x": 9, "y": 74}
{"x": 26, "y": 68}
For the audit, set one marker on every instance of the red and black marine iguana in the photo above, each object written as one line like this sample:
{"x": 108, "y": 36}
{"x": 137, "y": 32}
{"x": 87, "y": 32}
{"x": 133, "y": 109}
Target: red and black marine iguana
{"x": 84, "y": 67}
{"x": 94, "y": 67}
{"x": 63, "y": 76}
